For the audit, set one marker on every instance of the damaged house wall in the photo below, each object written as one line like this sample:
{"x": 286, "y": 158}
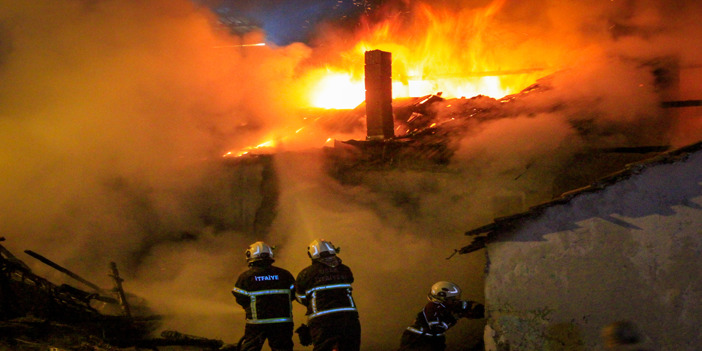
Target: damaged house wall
{"x": 626, "y": 251}
{"x": 221, "y": 205}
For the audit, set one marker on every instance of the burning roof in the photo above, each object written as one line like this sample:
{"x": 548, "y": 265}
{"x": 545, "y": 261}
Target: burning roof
{"x": 430, "y": 127}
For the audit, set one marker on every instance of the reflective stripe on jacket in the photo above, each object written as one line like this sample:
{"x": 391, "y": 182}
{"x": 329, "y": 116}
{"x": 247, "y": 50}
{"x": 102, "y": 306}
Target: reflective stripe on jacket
{"x": 421, "y": 331}
{"x": 325, "y": 288}
{"x": 433, "y": 320}
{"x": 254, "y": 312}
{"x": 266, "y": 293}
{"x": 312, "y": 293}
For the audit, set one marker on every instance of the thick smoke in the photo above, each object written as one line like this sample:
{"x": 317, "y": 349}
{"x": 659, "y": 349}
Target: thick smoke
{"x": 115, "y": 114}
{"x": 114, "y": 118}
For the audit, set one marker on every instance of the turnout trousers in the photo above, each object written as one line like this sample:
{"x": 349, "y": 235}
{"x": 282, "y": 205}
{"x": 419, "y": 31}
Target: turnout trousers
{"x": 341, "y": 330}
{"x": 279, "y": 336}
{"x": 418, "y": 342}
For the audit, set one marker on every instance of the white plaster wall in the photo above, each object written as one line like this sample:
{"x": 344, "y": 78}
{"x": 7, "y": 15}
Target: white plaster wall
{"x": 630, "y": 251}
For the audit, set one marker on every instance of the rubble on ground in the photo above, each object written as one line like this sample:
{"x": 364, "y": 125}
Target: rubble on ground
{"x": 38, "y": 315}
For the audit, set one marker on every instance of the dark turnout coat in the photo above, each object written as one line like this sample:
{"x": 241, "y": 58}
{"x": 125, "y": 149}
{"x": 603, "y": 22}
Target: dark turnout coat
{"x": 325, "y": 288}
{"x": 427, "y": 331}
{"x": 266, "y": 293}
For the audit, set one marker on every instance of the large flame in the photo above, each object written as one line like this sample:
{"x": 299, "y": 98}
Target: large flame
{"x": 337, "y": 90}
{"x": 457, "y": 53}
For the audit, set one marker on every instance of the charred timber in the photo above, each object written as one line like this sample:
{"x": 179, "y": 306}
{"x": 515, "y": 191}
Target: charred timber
{"x": 119, "y": 290}
{"x": 24, "y": 294}
{"x": 61, "y": 269}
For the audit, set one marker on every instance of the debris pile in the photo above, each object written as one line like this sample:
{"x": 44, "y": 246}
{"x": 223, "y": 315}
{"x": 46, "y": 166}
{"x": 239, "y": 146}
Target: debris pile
{"x": 36, "y": 314}
{"x": 427, "y": 130}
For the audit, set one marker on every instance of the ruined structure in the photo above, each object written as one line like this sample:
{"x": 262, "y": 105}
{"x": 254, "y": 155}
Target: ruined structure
{"x": 36, "y": 314}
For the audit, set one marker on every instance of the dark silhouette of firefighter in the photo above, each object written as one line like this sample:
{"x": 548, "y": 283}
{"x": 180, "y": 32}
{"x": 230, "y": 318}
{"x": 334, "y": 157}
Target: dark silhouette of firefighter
{"x": 266, "y": 293}
{"x": 325, "y": 288}
{"x": 441, "y": 313}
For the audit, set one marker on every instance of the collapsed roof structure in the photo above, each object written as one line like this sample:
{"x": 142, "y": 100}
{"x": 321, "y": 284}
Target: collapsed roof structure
{"x": 36, "y": 314}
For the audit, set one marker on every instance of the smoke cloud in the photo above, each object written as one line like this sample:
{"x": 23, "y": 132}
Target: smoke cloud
{"x": 114, "y": 119}
{"x": 114, "y": 116}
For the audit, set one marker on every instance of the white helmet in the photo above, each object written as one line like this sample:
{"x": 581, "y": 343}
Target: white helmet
{"x": 259, "y": 251}
{"x": 443, "y": 291}
{"x": 321, "y": 248}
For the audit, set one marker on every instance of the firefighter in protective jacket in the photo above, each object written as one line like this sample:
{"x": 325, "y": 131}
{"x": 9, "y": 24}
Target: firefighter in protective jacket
{"x": 266, "y": 293}
{"x": 325, "y": 288}
{"x": 441, "y": 313}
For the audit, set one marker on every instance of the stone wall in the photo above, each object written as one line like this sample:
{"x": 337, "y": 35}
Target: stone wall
{"x": 630, "y": 251}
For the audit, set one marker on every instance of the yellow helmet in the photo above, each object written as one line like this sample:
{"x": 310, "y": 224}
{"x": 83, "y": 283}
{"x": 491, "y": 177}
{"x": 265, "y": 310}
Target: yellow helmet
{"x": 259, "y": 251}
{"x": 321, "y": 248}
{"x": 444, "y": 291}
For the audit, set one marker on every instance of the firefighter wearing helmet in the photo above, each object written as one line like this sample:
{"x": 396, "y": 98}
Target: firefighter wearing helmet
{"x": 441, "y": 313}
{"x": 266, "y": 293}
{"x": 324, "y": 287}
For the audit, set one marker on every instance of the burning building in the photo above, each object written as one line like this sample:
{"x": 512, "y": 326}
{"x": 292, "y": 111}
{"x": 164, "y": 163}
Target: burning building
{"x": 115, "y": 117}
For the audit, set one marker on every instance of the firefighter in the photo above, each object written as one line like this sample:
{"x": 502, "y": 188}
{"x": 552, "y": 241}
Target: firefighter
{"x": 325, "y": 288}
{"x": 266, "y": 293}
{"x": 441, "y": 313}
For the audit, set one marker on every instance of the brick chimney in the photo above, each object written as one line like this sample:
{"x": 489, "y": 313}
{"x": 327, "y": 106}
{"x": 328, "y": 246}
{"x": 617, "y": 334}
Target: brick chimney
{"x": 379, "y": 119}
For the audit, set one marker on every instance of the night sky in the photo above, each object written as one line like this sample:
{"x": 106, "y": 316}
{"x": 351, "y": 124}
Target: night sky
{"x": 286, "y": 22}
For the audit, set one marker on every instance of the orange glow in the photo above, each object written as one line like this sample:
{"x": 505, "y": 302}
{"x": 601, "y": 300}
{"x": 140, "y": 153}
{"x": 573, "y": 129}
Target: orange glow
{"x": 261, "y": 148}
{"x": 456, "y": 53}
{"x": 338, "y": 90}
{"x": 463, "y": 52}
